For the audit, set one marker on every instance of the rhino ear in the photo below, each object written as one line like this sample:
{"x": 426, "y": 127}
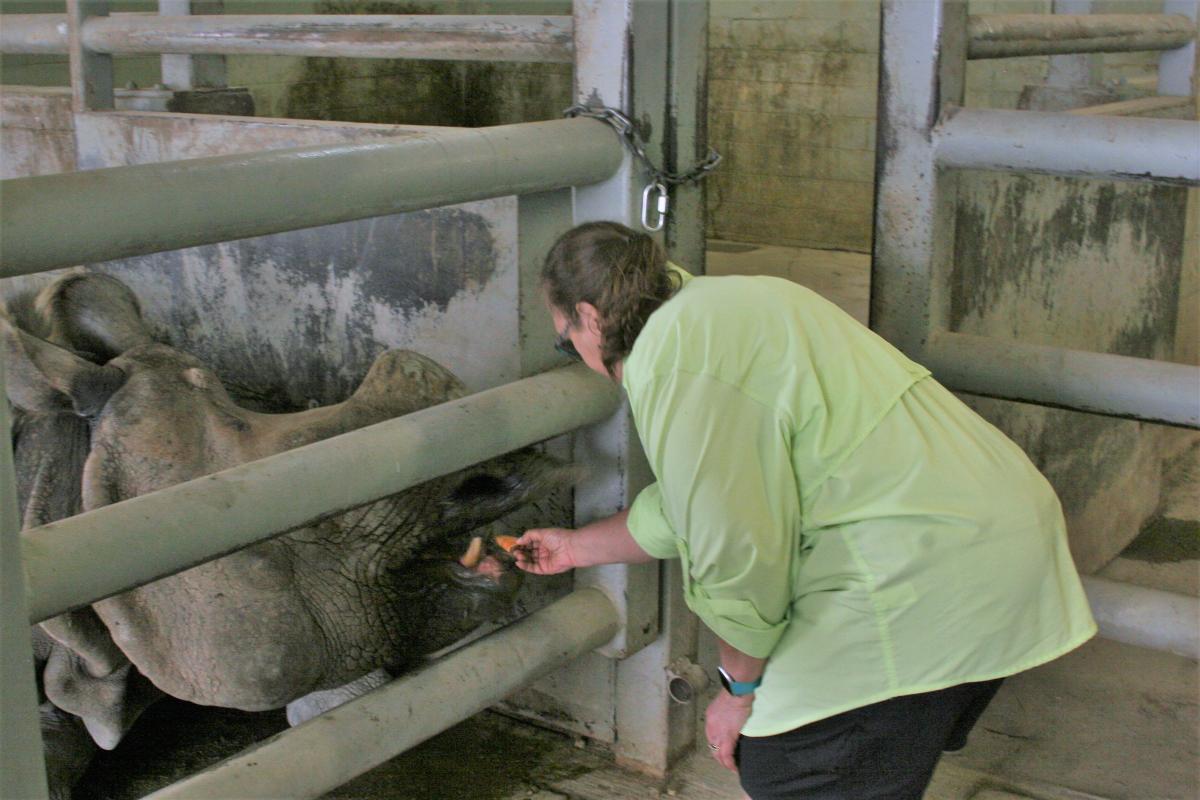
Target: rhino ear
{"x": 94, "y": 313}
{"x": 497, "y": 487}
{"x": 42, "y": 377}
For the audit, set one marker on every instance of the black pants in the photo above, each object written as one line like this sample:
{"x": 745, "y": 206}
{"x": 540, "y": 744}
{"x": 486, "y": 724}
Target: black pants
{"x": 884, "y": 751}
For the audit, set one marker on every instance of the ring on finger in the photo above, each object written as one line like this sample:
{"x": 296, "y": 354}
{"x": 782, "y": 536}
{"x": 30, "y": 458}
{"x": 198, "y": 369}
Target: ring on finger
{"x": 713, "y": 747}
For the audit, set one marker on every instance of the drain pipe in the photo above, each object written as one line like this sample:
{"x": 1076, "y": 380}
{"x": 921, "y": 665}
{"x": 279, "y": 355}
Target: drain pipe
{"x": 685, "y": 680}
{"x": 1145, "y": 617}
{"x": 327, "y": 751}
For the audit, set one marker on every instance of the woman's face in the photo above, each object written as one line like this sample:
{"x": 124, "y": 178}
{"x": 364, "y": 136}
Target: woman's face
{"x": 584, "y": 335}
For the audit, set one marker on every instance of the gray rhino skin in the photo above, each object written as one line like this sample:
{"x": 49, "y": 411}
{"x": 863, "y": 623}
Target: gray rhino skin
{"x": 103, "y": 413}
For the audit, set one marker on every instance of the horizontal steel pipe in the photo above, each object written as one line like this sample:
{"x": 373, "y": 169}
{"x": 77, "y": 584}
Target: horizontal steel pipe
{"x": 1138, "y": 388}
{"x": 1140, "y": 105}
{"x": 33, "y": 34}
{"x": 51, "y": 221}
{"x": 323, "y": 753}
{"x": 1056, "y": 143}
{"x": 79, "y": 560}
{"x": 1008, "y": 35}
{"x": 1145, "y": 617}
{"x": 475, "y": 37}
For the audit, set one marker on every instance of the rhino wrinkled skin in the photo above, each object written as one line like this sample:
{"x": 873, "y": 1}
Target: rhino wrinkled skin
{"x": 102, "y": 413}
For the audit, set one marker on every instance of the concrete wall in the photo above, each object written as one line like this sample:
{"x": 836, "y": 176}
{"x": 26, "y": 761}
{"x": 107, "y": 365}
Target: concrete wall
{"x": 1088, "y": 265}
{"x": 792, "y": 104}
{"x": 792, "y": 92}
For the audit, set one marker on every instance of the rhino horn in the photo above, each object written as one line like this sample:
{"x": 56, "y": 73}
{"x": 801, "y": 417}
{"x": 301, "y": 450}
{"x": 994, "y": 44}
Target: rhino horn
{"x": 42, "y": 377}
{"x": 93, "y": 313}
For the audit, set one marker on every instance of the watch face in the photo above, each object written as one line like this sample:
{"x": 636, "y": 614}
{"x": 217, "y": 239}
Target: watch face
{"x": 725, "y": 682}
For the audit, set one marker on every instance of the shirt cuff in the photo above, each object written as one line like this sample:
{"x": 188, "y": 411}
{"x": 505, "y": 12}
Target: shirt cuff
{"x": 648, "y": 525}
{"x": 737, "y": 622}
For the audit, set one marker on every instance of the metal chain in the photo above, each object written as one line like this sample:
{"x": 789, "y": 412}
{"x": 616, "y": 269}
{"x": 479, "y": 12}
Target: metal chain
{"x": 625, "y": 128}
{"x": 655, "y": 197}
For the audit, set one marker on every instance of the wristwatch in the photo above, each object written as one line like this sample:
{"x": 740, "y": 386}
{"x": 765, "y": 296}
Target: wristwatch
{"x": 738, "y": 688}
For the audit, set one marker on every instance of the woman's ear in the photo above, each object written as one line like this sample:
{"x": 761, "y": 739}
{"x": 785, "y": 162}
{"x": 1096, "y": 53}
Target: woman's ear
{"x": 589, "y": 317}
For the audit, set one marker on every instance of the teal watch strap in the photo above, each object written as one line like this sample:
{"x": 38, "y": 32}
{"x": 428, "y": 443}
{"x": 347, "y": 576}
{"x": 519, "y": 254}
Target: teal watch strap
{"x": 738, "y": 688}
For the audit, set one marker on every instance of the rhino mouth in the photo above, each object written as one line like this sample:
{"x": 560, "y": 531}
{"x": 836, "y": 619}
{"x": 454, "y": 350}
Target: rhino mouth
{"x": 477, "y": 568}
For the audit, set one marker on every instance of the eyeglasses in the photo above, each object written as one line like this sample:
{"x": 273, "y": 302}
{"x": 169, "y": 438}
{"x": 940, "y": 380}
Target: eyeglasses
{"x": 564, "y": 345}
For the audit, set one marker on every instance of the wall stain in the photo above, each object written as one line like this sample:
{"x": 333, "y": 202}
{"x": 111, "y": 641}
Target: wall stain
{"x": 468, "y": 94}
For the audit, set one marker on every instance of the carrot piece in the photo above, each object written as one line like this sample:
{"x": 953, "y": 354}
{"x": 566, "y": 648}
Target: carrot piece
{"x": 507, "y": 543}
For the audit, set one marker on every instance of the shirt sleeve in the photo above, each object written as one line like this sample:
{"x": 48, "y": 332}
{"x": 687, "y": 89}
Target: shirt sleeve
{"x": 648, "y": 525}
{"x": 727, "y": 488}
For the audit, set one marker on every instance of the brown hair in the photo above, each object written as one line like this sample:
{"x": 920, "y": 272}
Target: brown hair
{"x": 621, "y": 272}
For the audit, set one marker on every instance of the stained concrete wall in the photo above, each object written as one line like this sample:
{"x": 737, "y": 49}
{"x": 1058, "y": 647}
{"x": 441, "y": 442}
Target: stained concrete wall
{"x": 792, "y": 105}
{"x": 1088, "y": 265}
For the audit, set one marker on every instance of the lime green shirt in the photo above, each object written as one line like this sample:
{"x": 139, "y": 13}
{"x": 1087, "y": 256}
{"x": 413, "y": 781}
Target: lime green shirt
{"x": 838, "y": 511}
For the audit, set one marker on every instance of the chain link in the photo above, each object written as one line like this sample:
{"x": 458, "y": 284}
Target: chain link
{"x": 625, "y": 128}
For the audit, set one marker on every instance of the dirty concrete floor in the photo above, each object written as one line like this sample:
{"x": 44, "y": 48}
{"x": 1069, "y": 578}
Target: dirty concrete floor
{"x": 1107, "y": 721}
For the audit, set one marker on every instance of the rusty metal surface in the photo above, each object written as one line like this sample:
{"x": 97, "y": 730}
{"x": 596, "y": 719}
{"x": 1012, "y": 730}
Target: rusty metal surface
{"x": 475, "y": 37}
{"x": 1010, "y": 35}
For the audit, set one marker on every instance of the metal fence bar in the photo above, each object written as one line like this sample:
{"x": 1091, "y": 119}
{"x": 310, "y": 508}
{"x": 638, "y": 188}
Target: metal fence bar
{"x": 1011, "y": 35}
{"x": 474, "y": 37}
{"x": 79, "y": 560}
{"x": 22, "y": 768}
{"x": 1134, "y": 107}
{"x": 914, "y": 207}
{"x": 96, "y": 215}
{"x": 1140, "y": 388}
{"x": 1176, "y": 67}
{"x": 323, "y": 753}
{"x": 1145, "y": 617}
{"x": 1054, "y": 143}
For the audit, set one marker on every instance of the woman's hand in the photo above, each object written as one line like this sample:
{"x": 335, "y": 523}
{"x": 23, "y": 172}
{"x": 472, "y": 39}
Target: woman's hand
{"x": 723, "y": 722}
{"x": 545, "y": 551}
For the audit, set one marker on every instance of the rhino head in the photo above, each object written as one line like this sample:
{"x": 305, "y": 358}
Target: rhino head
{"x": 378, "y": 586}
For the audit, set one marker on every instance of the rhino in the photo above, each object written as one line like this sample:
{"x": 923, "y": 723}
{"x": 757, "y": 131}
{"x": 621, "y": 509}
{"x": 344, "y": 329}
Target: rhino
{"x": 104, "y": 412}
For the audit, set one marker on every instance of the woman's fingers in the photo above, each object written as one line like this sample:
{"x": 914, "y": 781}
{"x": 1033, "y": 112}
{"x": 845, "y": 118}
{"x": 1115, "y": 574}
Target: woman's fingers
{"x": 541, "y": 551}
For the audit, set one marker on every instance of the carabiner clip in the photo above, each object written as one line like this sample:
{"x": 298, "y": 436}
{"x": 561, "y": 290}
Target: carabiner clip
{"x": 660, "y": 206}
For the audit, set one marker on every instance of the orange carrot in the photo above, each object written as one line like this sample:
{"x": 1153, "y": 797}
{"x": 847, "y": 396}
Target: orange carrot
{"x": 507, "y": 542}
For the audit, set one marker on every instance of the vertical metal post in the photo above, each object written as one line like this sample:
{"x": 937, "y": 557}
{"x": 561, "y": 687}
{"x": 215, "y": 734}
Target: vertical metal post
{"x": 1176, "y": 67}
{"x": 914, "y": 201}
{"x": 180, "y": 72}
{"x": 605, "y": 53}
{"x": 686, "y": 137}
{"x": 22, "y": 768}
{"x": 1078, "y": 70}
{"x": 91, "y": 73}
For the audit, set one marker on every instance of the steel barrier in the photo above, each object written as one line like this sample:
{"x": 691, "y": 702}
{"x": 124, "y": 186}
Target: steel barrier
{"x": 325, "y": 752}
{"x": 1015, "y": 35}
{"x": 481, "y": 37}
{"x": 925, "y": 134}
{"x": 127, "y": 211}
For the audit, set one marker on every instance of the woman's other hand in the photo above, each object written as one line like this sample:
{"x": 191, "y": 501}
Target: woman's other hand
{"x": 545, "y": 551}
{"x": 723, "y": 722}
